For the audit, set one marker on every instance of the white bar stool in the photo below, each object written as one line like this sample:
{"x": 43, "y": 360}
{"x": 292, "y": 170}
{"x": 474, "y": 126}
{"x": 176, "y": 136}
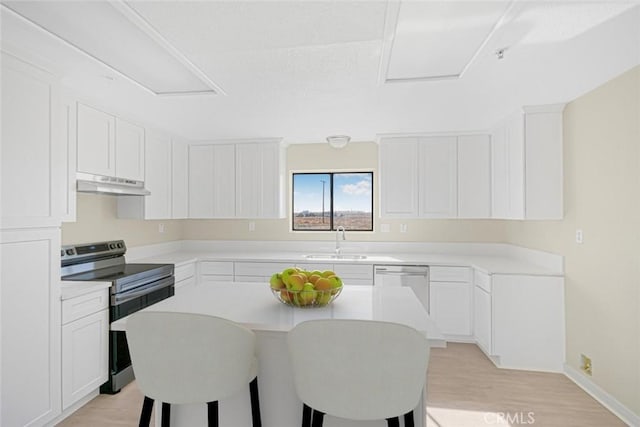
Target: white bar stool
{"x": 357, "y": 369}
{"x": 181, "y": 358}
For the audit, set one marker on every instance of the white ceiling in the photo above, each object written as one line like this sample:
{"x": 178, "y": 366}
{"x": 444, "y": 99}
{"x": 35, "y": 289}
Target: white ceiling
{"x": 303, "y": 70}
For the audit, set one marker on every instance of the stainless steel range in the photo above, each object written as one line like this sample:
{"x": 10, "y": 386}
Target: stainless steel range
{"x": 133, "y": 287}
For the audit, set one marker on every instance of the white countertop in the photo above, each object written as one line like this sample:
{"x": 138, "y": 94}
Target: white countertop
{"x": 254, "y": 306}
{"x": 71, "y": 289}
{"x": 487, "y": 264}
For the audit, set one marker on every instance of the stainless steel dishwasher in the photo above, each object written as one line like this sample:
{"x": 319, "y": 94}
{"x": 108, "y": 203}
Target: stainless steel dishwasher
{"x": 414, "y": 276}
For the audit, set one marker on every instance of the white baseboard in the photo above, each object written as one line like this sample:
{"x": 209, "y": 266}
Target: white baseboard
{"x": 608, "y": 401}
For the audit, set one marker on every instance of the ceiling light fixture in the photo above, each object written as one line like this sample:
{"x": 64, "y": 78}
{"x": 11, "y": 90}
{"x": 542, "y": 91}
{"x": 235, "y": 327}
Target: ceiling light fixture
{"x": 338, "y": 141}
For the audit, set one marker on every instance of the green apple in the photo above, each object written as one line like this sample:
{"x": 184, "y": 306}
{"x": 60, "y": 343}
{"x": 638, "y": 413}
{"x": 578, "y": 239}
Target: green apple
{"x": 307, "y": 294}
{"x": 276, "y": 281}
{"x": 323, "y": 298}
{"x": 286, "y": 273}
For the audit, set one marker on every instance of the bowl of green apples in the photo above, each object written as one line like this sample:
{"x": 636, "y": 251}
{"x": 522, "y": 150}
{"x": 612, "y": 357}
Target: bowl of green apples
{"x": 296, "y": 287}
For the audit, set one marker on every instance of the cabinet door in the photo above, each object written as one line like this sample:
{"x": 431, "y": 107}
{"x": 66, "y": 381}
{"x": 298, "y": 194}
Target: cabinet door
{"x": 515, "y": 162}
{"x": 180, "y": 180}
{"x": 69, "y": 139}
{"x": 129, "y": 150}
{"x": 96, "y": 141}
{"x": 482, "y": 322}
{"x": 399, "y": 178}
{"x": 200, "y": 181}
{"x": 224, "y": 189}
{"x": 30, "y": 327}
{"x": 438, "y": 177}
{"x": 499, "y": 173}
{"x": 158, "y": 176}
{"x": 33, "y": 155}
{"x": 450, "y": 307}
{"x": 474, "y": 176}
{"x": 259, "y": 180}
{"x": 544, "y": 169}
{"x": 85, "y": 356}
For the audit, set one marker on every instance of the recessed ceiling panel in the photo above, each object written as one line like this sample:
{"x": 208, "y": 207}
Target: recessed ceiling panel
{"x": 435, "y": 40}
{"x": 118, "y": 37}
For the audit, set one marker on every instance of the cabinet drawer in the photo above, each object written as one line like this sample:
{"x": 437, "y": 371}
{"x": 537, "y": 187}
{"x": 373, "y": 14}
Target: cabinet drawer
{"x": 311, "y": 266}
{"x": 259, "y": 268}
{"x": 354, "y": 271}
{"x": 184, "y": 272}
{"x": 449, "y": 274}
{"x": 83, "y": 305}
{"x": 216, "y": 267}
{"x": 482, "y": 280}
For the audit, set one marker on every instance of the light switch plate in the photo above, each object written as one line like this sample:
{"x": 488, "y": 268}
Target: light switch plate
{"x": 579, "y": 236}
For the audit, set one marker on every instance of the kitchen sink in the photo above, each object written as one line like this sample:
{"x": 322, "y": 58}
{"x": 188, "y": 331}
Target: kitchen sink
{"x": 335, "y": 256}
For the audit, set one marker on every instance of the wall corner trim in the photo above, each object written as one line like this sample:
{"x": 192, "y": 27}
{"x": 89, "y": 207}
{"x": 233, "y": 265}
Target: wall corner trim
{"x": 607, "y": 400}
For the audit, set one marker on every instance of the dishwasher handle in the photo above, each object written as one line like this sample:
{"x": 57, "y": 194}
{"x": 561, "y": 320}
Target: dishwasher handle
{"x": 383, "y": 271}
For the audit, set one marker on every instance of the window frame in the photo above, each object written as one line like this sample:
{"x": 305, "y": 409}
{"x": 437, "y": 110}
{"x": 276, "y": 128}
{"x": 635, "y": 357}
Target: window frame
{"x": 331, "y": 174}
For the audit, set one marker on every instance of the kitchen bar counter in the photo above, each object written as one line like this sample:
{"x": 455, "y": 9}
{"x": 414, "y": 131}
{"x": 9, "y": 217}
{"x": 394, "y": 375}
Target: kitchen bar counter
{"x": 253, "y": 305}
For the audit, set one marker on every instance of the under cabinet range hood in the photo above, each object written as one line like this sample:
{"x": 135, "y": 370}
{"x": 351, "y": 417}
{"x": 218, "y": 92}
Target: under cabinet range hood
{"x": 88, "y": 183}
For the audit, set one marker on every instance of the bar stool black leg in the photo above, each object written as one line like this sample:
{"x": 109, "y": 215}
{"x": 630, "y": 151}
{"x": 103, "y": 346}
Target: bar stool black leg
{"x": 318, "y": 418}
{"x": 166, "y": 414}
{"x": 393, "y": 422}
{"x": 145, "y": 415}
{"x": 306, "y": 416}
{"x": 212, "y": 414}
{"x": 255, "y": 403}
{"x": 408, "y": 419}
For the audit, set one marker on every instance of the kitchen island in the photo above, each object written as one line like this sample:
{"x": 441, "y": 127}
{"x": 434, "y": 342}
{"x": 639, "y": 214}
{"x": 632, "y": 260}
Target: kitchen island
{"x": 253, "y": 306}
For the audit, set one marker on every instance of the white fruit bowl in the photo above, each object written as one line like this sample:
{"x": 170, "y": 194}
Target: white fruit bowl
{"x": 306, "y": 299}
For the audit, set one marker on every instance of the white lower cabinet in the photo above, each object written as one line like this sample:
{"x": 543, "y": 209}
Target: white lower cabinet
{"x": 257, "y": 271}
{"x": 482, "y": 319}
{"x": 85, "y": 345}
{"x": 215, "y": 271}
{"x": 450, "y": 301}
{"x": 185, "y": 277}
{"x": 355, "y": 274}
{"x": 519, "y": 320}
{"x": 30, "y": 327}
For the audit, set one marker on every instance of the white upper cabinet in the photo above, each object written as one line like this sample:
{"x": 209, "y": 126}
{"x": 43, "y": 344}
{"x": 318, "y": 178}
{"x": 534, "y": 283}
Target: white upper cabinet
{"x": 179, "y": 179}
{"x": 419, "y": 177}
{"x": 398, "y": 177}
{"x": 527, "y": 169}
{"x": 474, "y": 176}
{"x": 212, "y": 181}
{"x": 438, "y": 197}
{"x": 157, "y": 205}
{"x": 260, "y": 180}
{"x": 109, "y": 146}
{"x": 96, "y": 141}
{"x": 33, "y": 154}
{"x": 129, "y": 150}
{"x": 69, "y": 129}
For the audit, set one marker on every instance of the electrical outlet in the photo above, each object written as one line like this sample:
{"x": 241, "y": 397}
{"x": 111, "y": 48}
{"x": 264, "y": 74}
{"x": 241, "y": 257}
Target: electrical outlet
{"x": 403, "y": 228}
{"x": 160, "y": 228}
{"x": 252, "y": 226}
{"x": 585, "y": 364}
{"x": 579, "y": 236}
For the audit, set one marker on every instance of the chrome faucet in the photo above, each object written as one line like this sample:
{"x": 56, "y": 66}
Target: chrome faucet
{"x": 338, "y": 230}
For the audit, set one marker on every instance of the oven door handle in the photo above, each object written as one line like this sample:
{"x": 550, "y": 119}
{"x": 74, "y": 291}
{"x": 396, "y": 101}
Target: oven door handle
{"x": 146, "y": 289}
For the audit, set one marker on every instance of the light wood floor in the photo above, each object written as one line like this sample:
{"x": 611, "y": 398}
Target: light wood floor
{"x": 464, "y": 390}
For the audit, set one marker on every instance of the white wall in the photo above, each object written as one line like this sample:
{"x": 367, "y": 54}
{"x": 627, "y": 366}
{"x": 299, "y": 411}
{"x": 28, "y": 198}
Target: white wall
{"x": 602, "y": 197}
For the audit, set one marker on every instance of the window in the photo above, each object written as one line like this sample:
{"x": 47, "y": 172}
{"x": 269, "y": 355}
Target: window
{"x": 324, "y": 201}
